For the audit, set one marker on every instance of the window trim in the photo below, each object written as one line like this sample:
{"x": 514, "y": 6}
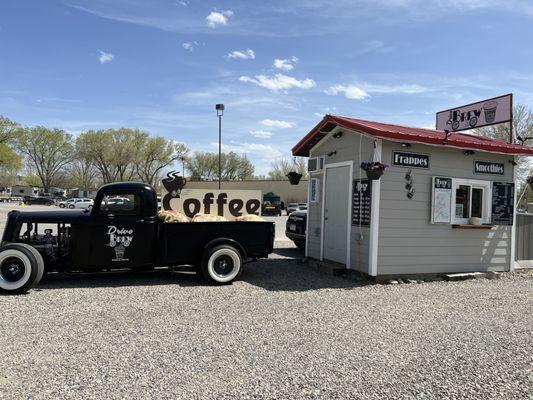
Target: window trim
{"x": 486, "y": 186}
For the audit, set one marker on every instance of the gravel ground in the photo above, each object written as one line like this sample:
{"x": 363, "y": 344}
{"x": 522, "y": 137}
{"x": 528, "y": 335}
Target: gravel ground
{"x": 283, "y": 331}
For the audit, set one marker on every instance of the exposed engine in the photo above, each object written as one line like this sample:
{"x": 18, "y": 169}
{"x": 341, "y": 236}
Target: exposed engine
{"x": 52, "y": 247}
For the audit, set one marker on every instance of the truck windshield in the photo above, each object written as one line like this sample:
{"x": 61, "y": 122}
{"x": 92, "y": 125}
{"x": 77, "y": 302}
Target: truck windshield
{"x": 121, "y": 204}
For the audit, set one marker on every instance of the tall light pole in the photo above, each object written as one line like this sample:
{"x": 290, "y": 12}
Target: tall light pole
{"x": 220, "y": 113}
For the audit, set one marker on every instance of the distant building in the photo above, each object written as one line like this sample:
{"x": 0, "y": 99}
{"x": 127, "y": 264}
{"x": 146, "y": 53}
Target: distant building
{"x": 24, "y": 190}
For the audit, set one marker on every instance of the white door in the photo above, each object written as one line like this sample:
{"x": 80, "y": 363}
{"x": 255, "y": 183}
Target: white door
{"x": 336, "y": 215}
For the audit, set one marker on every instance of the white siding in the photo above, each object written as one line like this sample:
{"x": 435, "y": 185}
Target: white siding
{"x": 409, "y": 243}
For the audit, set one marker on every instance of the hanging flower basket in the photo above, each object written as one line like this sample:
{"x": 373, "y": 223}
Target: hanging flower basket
{"x": 294, "y": 177}
{"x": 529, "y": 181}
{"x": 374, "y": 170}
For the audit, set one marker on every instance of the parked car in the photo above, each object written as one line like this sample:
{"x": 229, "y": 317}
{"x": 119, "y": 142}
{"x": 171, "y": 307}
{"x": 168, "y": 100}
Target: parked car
{"x": 302, "y": 206}
{"x": 82, "y": 203}
{"x": 67, "y": 202}
{"x": 112, "y": 238}
{"x": 46, "y": 201}
{"x": 291, "y": 207}
{"x": 295, "y": 229}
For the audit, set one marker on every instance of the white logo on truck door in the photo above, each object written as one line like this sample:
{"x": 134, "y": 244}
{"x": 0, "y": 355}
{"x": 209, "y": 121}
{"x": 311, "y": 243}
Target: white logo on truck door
{"x": 119, "y": 239}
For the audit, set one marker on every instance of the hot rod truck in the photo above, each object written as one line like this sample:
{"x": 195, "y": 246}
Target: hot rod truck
{"x": 123, "y": 232}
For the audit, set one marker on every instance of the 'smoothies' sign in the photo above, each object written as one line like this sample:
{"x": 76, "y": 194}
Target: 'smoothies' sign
{"x": 487, "y": 167}
{"x": 487, "y": 112}
{"x": 225, "y": 203}
{"x": 412, "y": 160}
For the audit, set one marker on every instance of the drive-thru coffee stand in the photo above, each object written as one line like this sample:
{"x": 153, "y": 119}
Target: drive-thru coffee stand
{"x": 444, "y": 203}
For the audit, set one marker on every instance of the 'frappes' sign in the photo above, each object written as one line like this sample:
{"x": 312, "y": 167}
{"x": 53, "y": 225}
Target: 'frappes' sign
{"x": 487, "y": 112}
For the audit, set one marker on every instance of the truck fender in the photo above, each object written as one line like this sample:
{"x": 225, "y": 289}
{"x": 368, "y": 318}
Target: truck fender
{"x": 219, "y": 241}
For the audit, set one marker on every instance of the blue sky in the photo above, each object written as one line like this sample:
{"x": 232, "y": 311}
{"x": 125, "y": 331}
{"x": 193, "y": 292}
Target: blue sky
{"x": 278, "y": 66}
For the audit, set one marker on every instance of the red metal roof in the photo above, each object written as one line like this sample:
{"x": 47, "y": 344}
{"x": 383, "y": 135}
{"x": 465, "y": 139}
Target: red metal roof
{"x": 407, "y": 134}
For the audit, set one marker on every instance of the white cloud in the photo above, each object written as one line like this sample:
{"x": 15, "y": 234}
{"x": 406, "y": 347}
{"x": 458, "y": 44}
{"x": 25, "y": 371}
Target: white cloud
{"x": 261, "y": 134}
{"x": 242, "y": 54}
{"x": 265, "y": 151}
{"x": 276, "y": 123}
{"x": 279, "y": 82}
{"x": 364, "y": 90}
{"x": 350, "y": 91}
{"x": 105, "y": 57}
{"x": 403, "y": 89}
{"x": 285, "y": 64}
{"x": 216, "y": 18}
{"x": 183, "y": 3}
{"x": 189, "y": 46}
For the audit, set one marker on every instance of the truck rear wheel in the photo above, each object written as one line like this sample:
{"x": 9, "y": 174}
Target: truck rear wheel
{"x": 222, "y": 264}
{"x": 19, "y": 268}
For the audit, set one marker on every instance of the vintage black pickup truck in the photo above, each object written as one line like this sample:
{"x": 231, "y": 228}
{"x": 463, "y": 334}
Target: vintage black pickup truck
{"x": 122, "y": 232}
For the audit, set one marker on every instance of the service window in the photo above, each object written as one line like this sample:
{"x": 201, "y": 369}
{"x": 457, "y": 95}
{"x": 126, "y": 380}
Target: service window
{"x": 470, "y": 198}
{"x": 121, "y": 204}
{"x": 456, "y": 201}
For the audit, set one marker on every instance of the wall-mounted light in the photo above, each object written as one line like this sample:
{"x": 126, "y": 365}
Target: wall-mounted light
{"x": 331, "y": 153}
{"x": 406, "y": 145}
{"x": 337, "y": 135}
{"x": 469, "y": 152}
{"x": 513, "y": 163}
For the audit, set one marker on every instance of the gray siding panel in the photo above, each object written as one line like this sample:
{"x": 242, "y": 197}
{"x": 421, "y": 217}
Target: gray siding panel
{"x": 409, "y": 243}
{"x": 347, "y": 149}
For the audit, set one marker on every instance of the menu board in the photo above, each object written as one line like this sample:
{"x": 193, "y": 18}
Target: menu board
{"x": 442, "y": 199}
{"x": 362, "y": 200}
{"x": 502, "y": 203}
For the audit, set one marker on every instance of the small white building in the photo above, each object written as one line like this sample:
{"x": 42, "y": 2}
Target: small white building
{"x": 445, "y": 204}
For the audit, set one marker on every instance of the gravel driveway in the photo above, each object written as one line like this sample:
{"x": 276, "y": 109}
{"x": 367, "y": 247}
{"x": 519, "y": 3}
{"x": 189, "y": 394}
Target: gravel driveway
{"x": 284, "y": 331}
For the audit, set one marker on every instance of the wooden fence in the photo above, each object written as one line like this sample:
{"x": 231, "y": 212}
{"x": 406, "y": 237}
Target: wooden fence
{"x": 524, "y": 237}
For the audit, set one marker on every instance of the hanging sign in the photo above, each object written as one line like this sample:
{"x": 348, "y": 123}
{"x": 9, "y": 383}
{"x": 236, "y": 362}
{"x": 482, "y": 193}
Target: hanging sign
{"x": 487, "y": 167}
{"x": 411, "y": 160}
{"x": 442, "y": 200}
{"x": 502, "y": 203}
{"x": 361, "y": 203}
{"x": 487, "y": 112}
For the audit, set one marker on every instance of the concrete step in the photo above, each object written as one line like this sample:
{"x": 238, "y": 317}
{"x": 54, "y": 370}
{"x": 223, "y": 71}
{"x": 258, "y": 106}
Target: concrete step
{"x": 465, "y": 276}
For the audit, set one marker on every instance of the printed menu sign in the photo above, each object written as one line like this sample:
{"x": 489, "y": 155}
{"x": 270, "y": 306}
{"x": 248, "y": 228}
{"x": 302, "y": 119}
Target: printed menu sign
{"x": 362, "y": 199}
{"x": 442, "y": 199}
{"x": 487, "y": 167}
{"x": 502, "y": 203}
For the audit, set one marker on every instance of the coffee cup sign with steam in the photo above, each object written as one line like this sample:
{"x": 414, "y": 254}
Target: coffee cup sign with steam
{"x": 174, "y": 184}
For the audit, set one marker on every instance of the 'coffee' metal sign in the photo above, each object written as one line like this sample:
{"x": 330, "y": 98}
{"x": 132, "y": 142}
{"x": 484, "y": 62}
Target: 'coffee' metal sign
{"x": 411, "y": 160}
{"x": 487, "y": 167}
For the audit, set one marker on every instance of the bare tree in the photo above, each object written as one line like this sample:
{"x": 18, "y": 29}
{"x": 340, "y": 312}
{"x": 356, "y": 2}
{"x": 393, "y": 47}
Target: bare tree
{"x": 155, "y": 154}
{"x": 204, "y": 166}
{"x": 48, "y": 151}
{"x": 282, "y": 166}
{"x": 522, "y": 130}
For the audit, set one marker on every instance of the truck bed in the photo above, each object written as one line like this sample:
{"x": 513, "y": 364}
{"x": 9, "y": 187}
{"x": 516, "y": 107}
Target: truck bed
{"x": 184, "y": 242}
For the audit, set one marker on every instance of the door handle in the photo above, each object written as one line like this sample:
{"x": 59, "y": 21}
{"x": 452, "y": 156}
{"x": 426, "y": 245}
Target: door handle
{"x": 325, "y": 218}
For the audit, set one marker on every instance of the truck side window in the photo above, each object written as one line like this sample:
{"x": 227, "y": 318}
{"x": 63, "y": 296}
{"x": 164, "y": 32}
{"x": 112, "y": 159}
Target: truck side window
{"x": 121, "y": 204}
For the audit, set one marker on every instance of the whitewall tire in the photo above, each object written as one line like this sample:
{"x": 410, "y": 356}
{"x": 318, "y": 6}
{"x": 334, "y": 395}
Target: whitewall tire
{"x": 18, "y": 268}
{"x": 222, "y": 264}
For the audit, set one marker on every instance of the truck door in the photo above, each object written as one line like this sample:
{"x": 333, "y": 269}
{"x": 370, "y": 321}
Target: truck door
{"x": 123, "y": 233}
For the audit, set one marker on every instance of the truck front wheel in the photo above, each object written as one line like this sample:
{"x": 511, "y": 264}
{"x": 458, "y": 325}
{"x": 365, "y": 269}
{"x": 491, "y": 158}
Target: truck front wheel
{"x": 19, "y": 268}
{"x": 222, "y": 264}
